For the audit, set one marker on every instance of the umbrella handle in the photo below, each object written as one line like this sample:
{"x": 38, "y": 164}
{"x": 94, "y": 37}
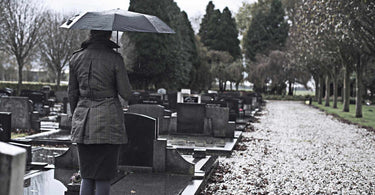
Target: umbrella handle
{"x": 117, "y": 40}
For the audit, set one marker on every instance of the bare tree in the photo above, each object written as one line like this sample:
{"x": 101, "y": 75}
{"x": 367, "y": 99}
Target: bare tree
{"x": 21, "y": 24}
{"x": 57, "y": 45}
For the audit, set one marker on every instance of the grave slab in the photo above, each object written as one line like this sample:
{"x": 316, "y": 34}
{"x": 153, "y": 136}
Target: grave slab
{"x": 156, "y": 183}
{"x": 214, "y": 146}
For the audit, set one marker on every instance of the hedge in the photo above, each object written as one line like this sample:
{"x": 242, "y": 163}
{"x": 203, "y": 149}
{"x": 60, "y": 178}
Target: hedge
{"x": 30, "y": 85}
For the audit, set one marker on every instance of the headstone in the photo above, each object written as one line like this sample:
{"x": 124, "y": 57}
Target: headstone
{"x": 185, "y": 91}
{"x": 154, "y": 111}
{"x": 27, "y": 147}
{"x": 191, "y": 118}
{"x": 172, "y": 100}
{"x": 4, "y": 93}
{"x": 35, "y": 121}
{"x": 66, "y": 164}
{"x": 219, "y": 118}
{"x": 12, "y": 169}
{"x": 134, "y": 98}
{"x": 21, "y": 110}
{"x": 60, "y": 95}
{"x": 37, "y": 97}
{"x": 141, "y": 131}
{"x": 152, "y": 98}
{"x": 5, "y": 126}
{"x": 47, "y": 91}
{"x": 65, "y": 122}
{"x": 162, "y": 91}
{"x": 65, "y": 105}
{"x": 191, "y": 99}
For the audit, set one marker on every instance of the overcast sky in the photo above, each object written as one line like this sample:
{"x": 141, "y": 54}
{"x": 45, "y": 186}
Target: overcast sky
{"x": 193, "y": 8}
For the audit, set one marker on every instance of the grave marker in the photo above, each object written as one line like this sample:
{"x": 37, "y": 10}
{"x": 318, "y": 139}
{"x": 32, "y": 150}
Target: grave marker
{"x": 12, "y": 169}
{"x": 141, "y": 131}
{"x": 21, "y": 110}
{"x": 191, "y": 118}
{"x": 5, "y": 126}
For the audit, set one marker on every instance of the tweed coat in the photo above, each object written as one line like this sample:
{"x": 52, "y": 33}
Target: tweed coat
{"x": 97, "y": 76}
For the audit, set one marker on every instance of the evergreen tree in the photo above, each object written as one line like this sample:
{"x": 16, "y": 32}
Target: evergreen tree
{"x": 161, "y": 60}
{"x": 210, "y": 28}
{"x": 218, "y": 31}
{"x": 228, "y": 40}
{"x": 203, "y": 30}
{"x": 150, "y": 49}
{"x": 268, "y": 29}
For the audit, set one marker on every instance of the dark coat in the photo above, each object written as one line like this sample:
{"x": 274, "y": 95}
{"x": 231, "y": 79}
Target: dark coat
{"x": 97, "y": 76}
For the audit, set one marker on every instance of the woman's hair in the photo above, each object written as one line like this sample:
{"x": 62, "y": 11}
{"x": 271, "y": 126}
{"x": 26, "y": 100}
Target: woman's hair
{"x": 95, "y": 34}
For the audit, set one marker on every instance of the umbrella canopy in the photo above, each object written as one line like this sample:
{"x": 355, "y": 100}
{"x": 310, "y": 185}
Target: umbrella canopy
{"x": 118, "y": 20}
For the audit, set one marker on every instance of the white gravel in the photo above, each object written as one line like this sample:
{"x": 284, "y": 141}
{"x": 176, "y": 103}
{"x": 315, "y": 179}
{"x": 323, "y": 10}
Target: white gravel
{"x": 296, "y": 149}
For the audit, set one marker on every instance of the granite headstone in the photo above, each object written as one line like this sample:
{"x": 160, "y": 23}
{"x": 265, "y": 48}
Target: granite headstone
{"x": 190, "y": 118}
{"x": 5, "y": 126}
{"x": 141, "y": 131}
{"x": 21, "y": 110}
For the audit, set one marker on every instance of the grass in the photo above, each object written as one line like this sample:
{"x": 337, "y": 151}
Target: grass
{"x": 304, "y": 93}
{"x": 368, "y": 114}
{"x": 17, "y": 135}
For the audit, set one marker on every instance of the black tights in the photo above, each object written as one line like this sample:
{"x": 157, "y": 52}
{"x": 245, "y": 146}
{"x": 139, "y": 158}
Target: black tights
{"x": 88, "y": 187}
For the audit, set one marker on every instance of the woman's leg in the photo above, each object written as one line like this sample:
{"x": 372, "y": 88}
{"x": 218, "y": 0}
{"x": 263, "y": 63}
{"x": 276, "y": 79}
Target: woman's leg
{"x": 87, "y": 187}
{"x": 102, "y": 187}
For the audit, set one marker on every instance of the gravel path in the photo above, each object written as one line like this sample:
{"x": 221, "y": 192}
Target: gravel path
{"x": 296, "y": 149}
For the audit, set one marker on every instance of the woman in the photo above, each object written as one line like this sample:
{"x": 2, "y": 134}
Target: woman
{"x": 97, "y": 77}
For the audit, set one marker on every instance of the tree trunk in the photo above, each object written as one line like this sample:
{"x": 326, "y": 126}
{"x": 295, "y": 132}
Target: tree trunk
{"x": 335, "y": 89}
{"x": 290, "y": 92}
{"x": 20, "y": 67}
{"x": 328, "y": 90}
{"x": 58, "y": 80}
{"x": 346, "y": 90}
{"x": 316, "y": 79}
{"x": 359, "y": 88}
{"x": 321, "y": 83}
{"x": 237, "y": 85}
{"x": 231, "y": 86}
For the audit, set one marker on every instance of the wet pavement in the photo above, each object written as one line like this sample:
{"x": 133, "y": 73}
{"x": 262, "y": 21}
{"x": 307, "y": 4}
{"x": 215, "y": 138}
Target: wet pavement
{"x": 296, "y": 149}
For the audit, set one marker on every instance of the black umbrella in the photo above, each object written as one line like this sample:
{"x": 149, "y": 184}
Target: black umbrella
{"x": 118, "y": 20}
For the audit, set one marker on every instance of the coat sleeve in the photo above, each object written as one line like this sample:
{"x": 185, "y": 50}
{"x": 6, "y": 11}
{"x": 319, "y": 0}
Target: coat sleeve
{"x": 73, "y": 89}
{"x": 122, "y": 80}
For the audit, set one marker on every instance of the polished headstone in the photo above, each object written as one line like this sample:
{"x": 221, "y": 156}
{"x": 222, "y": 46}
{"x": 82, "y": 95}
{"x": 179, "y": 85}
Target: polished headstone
{"x": 191, "y": 118}
{"x": 141, "y": 131}
{"x": 5, "y": 126}
{"x": 154, "y": 111}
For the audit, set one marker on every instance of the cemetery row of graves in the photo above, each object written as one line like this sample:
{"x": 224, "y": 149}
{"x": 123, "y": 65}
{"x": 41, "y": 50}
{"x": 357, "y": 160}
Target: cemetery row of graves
{"x": 175, "y": 138}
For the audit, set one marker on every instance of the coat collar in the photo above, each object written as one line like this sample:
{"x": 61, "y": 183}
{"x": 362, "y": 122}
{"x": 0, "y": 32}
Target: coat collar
{"x": 99, "y": 42}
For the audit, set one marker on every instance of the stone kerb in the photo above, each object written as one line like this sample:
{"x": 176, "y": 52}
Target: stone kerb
{"x": 21, "y": 110}
{"x": 12, "y": 169}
